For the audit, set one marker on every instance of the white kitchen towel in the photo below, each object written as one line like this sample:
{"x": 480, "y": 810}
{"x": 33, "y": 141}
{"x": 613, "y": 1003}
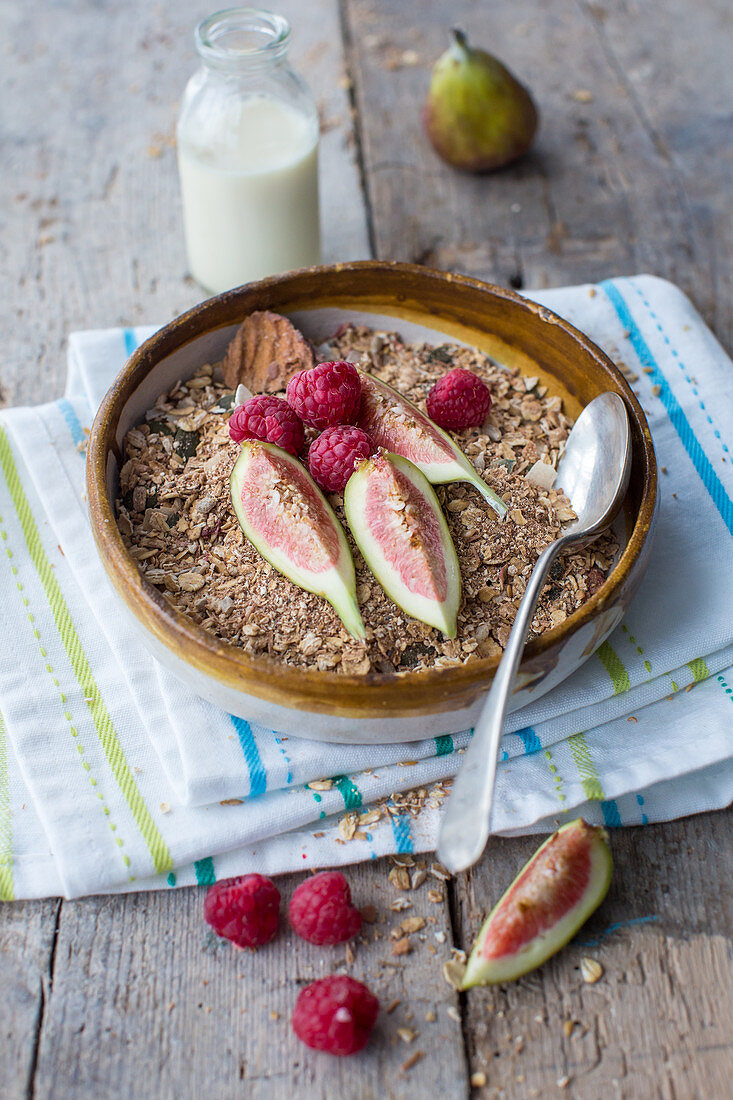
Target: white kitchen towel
{"x": 112, "y": 773}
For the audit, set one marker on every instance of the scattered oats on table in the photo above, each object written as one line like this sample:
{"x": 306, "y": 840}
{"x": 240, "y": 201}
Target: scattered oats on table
{"x": 176, "y": 519}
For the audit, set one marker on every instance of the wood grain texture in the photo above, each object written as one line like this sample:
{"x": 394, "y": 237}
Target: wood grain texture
{"x": 129, "y": 996}
{"x": 613, "y": 185}
{"x": 27, "y": 946}
{"x": 145, "y": 996}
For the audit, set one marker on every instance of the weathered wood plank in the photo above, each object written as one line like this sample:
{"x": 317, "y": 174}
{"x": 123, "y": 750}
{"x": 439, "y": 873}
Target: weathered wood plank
{"x": 27, "y": 945}
{"x": 148, "y": 1003}
{"x": 613, "y": 186}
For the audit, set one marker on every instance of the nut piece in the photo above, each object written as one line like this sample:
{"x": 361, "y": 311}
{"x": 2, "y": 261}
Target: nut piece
{"x": 402, "y": 947}
{"x": 453, "y": 971}
{"x": 590, "y": 969}
{"x": 399, "y": 878}
{"x": 265, "y": 352}
{"x": 412, "y": 924}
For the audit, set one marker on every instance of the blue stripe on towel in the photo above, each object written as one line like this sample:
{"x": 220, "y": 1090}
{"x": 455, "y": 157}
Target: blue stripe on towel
{"x": 681, "y": 424}
{"x": 72, "y": 421}
{"x": 402, "y": 833}
{"x": 676, "y": 355}
{"x": 611, "y": 816}
{"x": 257, "y": 774}
{"x": 130, "y": 339}
{"x": 530, "y": 740}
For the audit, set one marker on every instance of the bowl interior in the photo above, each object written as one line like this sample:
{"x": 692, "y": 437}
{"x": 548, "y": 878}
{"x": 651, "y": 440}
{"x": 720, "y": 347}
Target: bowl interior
{"x": 420, "y": 305}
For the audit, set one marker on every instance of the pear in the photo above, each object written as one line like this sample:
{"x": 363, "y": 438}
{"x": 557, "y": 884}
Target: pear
{"x": 477, "y": 116}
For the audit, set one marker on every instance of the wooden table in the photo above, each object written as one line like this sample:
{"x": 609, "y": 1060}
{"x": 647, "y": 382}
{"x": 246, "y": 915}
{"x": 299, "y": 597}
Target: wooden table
{"x": 128, "y": 996}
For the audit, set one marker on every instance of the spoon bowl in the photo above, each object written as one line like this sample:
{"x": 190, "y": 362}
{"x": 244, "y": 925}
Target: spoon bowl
{"x": 594, "y": 474}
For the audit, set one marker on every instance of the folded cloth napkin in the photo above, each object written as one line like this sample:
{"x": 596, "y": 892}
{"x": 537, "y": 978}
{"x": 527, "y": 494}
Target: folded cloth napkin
{"x": 114, "y": 776}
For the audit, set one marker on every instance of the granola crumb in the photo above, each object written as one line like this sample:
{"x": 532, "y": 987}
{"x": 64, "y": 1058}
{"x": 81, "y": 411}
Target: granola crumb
{"x": 412, "y": 1061}
{"x": 591, "y": 970}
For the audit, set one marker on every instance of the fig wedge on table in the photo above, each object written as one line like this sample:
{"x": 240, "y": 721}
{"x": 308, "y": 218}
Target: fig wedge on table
{"x": 396, "y": 520}
{"x": 401, "y": 428}
{"x": 551, "y": 897}
{"x": 287, "y": 518}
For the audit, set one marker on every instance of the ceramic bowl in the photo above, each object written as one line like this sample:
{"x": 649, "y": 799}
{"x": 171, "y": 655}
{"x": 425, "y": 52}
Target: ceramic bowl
{"x": 420, "y": 304}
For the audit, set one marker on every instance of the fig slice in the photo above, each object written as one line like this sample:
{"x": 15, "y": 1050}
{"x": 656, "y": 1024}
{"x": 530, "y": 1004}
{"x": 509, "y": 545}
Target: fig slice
{"x": 395, "y": 518}
{"x": 398, "y": 426}
{"x": 551, "y": 897}
{"x": 288, "y": 520}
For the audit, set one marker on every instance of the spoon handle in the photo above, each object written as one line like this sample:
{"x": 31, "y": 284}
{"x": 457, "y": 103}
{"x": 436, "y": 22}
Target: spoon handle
{"x": 467, "y": 819}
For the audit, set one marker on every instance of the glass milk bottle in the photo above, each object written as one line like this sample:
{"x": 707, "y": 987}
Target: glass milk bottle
{"x": 247, "y": 154}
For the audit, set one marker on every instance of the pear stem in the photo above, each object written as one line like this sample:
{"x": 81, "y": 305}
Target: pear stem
{"x": 460, "y": 40}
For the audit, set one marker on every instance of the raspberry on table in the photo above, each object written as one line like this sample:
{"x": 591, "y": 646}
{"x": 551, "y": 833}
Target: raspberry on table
{"x": 460, "y": 399}
{"x": 335, "y": 1014}
{"x": 270, "y": 419}
{"x": 326, "y": 394}
{"x": 334, "y": 454}
{"x": 244, "y": 910}
{"x": 321, "y": 910}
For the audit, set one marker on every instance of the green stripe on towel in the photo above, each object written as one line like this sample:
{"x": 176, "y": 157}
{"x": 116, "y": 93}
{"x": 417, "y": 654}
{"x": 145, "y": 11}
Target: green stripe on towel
{"x": 699, "y": 669}
{"x": 589, "y": 780}
{"x": 614, "y": 666}
{"x": 62, "y": 617}
{"x": 6, "y": 836}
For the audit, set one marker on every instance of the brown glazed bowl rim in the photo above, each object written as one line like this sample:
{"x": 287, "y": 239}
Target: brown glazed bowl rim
{"x": 264, "y": 677}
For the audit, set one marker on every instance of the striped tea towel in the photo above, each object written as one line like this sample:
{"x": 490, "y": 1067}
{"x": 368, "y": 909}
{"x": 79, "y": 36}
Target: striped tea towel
{"x": 114, "y": 776}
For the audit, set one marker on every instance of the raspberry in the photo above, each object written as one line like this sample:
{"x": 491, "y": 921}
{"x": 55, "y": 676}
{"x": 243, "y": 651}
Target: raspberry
{"x": 243, "y": 910}
{"x": 326, "y": 394}
{"x": 270, "y": 419}
{"x": 321, "y": 909}
{"x": 459, "y": 400}
{"x": 335, "y": 1014}
{"x": 333, "y": 456}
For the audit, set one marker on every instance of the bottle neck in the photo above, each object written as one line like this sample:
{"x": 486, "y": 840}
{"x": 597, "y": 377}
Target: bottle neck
{"x": 242, "y": 41}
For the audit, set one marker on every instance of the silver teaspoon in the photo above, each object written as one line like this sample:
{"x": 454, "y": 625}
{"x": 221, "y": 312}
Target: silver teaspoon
{"x": 594, "y": 473}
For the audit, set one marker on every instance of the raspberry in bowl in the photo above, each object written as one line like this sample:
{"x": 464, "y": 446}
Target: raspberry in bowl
{"x": 333, "y": 456}
{"x": 326, "y": 394}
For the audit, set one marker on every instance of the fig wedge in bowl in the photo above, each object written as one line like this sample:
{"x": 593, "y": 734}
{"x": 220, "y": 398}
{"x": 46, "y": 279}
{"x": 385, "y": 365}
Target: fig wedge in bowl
{"x": 438, "y": 308}
{"x": 395, "y": 517}
{"x": 286, "y": 516}
{"x": 396, "y": 424}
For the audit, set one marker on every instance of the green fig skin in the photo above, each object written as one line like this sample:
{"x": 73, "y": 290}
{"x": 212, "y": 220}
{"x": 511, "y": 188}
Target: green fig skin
{"x": 570, "y": 875}
{"x": 477, "y": 115}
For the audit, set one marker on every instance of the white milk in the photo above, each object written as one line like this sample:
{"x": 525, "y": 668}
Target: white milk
{"x": 250, "y": 203}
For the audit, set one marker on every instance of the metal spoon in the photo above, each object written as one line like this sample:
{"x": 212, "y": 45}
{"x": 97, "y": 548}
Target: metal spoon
{"x": 594, "y": 473}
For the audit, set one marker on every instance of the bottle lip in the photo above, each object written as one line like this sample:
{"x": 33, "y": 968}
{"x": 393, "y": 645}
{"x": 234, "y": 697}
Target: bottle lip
{"x": 237, "y": 39}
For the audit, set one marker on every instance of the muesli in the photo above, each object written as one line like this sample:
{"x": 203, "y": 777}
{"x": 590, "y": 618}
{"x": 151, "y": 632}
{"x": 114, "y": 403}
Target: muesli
{"x": 177, "y": 520}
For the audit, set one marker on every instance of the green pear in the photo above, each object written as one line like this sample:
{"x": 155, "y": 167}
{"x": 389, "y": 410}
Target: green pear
{"x": 477, "y": 116}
